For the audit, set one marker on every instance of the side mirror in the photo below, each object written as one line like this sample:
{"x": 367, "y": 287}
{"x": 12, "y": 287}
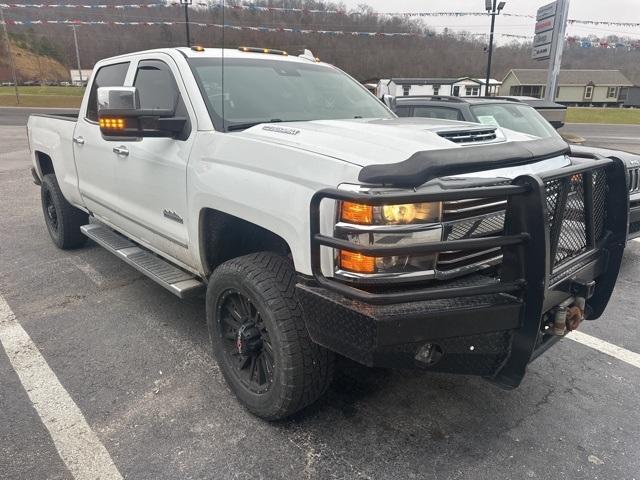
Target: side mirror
{"x": 389, "y": 101}
{"x": 120, "y": 116}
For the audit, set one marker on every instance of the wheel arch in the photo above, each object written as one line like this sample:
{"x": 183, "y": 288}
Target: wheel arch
{"x": 222, "y": 236}
{"x": 44, "y": 163}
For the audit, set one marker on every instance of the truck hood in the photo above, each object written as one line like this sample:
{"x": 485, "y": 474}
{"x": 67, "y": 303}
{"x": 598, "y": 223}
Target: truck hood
{"x": 632, "y": 160}
{"x": 367, "y": 142}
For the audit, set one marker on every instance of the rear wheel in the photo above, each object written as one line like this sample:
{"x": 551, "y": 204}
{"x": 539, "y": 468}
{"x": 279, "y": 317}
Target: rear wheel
{"x": 63, "y": 219}
{"x": 259, "y": 338}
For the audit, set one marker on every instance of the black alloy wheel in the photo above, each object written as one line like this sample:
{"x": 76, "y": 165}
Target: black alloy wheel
{"x": 246, "y": 341}
{"x": 63, "y": 220}
{"x": 51, "y": 215}
{"x": 259, "y": 337}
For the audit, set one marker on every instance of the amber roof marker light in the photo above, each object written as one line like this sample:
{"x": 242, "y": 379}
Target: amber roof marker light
{"x": 197, "y": 48}
{"x": 270, "y": 51}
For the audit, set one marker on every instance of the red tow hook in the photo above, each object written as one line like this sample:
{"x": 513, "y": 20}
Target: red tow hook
{"x": 568, "y": 316}
{"x": 575, "y": 316}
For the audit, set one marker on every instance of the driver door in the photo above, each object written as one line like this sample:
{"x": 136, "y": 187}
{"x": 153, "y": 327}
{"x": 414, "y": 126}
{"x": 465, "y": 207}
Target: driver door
{"x": 152, "y": 172}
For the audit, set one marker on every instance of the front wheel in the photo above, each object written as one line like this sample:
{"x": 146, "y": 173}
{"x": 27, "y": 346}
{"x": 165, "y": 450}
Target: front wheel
{"x": 259, "y": 338}
{"x": 63, "y": 219}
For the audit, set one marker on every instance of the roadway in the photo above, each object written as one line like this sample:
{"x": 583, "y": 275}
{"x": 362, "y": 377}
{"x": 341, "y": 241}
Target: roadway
{"x": 15, "y": 116}
{"x": 134, "y": 365}
{"x": 622, "y": 137}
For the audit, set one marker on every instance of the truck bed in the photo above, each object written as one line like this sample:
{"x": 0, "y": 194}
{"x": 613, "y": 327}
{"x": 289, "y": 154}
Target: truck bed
{"x": 69, "y": 117}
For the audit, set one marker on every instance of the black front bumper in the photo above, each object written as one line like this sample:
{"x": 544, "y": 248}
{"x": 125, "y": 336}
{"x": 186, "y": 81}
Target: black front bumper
{"x": 480, "y": 324}
{"x": 474, "y": 333}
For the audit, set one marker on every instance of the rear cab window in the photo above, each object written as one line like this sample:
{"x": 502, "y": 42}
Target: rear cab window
{"x": 437, "y": 112}
{"x": 107, "y": 76}
{"x": 403, "y": 111}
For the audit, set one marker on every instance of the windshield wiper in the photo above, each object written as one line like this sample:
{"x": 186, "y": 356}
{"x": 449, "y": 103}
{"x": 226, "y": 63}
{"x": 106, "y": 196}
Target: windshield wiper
{"x": 243, "y": 126}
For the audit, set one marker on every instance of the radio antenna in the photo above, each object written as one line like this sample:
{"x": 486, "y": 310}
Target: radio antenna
{"x": 224, "y": 127}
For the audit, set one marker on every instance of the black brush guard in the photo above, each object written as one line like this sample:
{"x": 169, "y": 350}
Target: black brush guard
{"x": 502, "y": 316}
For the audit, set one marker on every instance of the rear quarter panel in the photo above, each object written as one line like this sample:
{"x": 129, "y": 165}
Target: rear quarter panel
{"x": 53, "y": 136}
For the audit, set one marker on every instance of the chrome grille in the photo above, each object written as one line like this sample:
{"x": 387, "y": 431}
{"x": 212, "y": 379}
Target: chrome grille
{"x": 634, "y": 180}
{"x": 572, "y": 230}
{"x": 469, "y": 136}
{"x": 464, "y": 219}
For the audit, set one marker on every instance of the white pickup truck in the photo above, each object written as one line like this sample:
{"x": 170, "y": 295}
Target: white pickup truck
{"x": 318, "y": 222}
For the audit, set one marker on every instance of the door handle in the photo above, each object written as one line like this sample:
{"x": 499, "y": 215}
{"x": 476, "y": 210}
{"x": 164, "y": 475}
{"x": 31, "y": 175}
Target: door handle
{"x": 78, "y": 140}
{"x": 121, "y": 150}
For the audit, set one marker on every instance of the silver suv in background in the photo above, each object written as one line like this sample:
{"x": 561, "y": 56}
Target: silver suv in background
{"x": 520, "y": 114}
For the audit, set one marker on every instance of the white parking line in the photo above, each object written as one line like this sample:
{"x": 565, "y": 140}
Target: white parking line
{"x": 620, "y": 353}
{"x": 77, "y": 445}
{"x": 88, "y": 270}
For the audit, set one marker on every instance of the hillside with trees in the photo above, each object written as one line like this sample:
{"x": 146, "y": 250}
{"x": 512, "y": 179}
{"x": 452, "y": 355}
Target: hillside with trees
{"x": 35, "y": 59}
{"x": 430, "y": 54}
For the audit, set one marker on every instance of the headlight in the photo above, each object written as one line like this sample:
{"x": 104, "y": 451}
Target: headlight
{"x": 403, "y": 214}
{"x": 399, "y": 224}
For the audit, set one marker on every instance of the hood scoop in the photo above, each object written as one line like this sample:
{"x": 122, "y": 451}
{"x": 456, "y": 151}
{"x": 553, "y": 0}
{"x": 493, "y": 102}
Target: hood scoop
{"x": 476, "y": 135}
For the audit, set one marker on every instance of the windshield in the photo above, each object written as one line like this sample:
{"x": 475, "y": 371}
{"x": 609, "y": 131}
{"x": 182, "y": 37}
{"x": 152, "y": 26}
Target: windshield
{"x": 518, "y": 117}
{"x": 259, "y": 91}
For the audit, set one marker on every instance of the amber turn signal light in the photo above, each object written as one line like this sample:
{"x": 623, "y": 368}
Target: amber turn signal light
{"x": 111, "y": 123}
{"x": 356, "y": 262}
{"x": 356, "y": 213}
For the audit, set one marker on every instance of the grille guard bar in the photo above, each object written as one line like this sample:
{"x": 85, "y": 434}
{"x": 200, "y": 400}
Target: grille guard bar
{"x": 526, "y": 240}
{"x": 318, "y": 240}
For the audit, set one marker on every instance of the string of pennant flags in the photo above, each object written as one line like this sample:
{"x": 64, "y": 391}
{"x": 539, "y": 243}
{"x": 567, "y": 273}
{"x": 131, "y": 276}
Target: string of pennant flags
{"x": 261, "y": 8}
{"x": 258, "y": 28}
{"x": 572, "y": 41}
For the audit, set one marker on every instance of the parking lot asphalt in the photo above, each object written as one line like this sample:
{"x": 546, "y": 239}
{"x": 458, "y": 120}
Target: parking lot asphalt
{"x": 135, "y": 360}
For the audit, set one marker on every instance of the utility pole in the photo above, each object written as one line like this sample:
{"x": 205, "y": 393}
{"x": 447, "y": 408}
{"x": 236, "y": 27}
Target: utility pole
{"x": 493, "y": 8}
{"x": 186, "y": 4}
{"x": 13, "y": 67}
{"x": 75, "y": 39}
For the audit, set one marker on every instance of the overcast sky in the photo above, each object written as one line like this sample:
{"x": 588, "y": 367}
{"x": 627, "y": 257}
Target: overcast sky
{"x": 601, "y": 10}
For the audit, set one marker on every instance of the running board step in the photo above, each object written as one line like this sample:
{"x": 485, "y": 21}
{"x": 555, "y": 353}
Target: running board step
{"x": 177, "y": 281}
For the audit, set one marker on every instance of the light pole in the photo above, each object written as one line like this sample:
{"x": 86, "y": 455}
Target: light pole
{"x": 13, "y": 66}
{"x": 75, "y": 40}
{"x": 186, "y": 4}
{"x": 493, "y": 8}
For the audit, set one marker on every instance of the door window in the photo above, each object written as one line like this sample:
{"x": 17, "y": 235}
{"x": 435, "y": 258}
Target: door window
{"x": 157, "y": 90}
{"x": 156, "y": 86}
{"x": 107, "y": 76}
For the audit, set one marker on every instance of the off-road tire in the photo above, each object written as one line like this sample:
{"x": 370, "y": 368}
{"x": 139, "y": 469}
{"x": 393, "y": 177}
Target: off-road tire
{"x": 302, "y": 369}
{"x": 65, "y": 229}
